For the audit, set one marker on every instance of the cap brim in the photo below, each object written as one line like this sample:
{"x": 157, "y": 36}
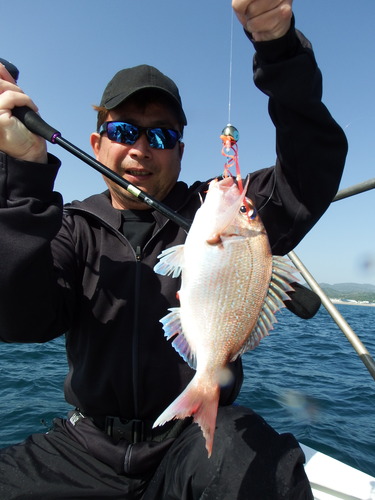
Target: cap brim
{"x": 120, "y": 98}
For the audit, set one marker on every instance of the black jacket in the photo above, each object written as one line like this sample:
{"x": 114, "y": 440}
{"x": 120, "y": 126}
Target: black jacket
{"x": 75, "y": 273}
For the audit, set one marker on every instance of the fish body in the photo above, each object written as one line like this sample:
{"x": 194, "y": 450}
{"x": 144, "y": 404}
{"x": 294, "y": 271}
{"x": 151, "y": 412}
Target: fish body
{"x": 231, "y": 285}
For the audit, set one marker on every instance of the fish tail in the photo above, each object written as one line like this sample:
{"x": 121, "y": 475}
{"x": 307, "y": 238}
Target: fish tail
{"x": 199, "y": 401}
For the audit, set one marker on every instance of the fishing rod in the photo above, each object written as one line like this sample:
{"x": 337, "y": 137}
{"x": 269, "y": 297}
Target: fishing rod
{"x": 38, "y": 126}
{"x": 304, "y": 302}
{"x": 344, "y": 326}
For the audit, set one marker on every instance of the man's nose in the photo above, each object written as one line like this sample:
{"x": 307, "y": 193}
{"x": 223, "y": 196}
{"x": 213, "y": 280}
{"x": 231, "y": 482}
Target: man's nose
{"x": 141, "y": 147}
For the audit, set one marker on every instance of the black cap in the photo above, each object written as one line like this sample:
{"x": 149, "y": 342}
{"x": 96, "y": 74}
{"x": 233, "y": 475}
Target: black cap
{"x": 131, "y": 80}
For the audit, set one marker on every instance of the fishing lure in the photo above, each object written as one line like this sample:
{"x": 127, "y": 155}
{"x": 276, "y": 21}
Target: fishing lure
{"x": 229, "y": 137}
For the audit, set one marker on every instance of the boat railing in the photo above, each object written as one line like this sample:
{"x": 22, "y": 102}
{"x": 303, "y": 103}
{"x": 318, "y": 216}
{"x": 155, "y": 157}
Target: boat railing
{"x": 353, "y": 338}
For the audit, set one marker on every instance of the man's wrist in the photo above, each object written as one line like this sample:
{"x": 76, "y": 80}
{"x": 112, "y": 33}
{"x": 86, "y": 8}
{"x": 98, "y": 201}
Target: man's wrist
{"x": 277, "y": 49}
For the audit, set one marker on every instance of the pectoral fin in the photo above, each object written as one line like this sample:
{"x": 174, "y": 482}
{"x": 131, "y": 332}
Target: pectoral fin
{"x": 171, "y": 261}
{"x": 172, "y": 328}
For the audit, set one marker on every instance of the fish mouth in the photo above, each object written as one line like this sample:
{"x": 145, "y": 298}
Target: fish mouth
{"x": 224, "y": 183}
{"x": 227, "y": 182}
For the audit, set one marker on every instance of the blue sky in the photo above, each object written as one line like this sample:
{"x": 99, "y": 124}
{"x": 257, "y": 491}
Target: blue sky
{"x": 68, "y": 51}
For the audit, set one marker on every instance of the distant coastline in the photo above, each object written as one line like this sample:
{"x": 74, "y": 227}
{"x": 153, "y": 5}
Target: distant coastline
{"x": 350, "y": 294}
{"x": 352, "y": 303}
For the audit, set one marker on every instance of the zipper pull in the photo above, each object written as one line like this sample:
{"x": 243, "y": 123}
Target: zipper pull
{"x": 138, "y": 253}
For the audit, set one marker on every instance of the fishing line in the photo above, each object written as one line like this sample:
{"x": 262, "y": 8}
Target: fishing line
{"x": 229, "y": 135}
{"x": 230, "y": 68}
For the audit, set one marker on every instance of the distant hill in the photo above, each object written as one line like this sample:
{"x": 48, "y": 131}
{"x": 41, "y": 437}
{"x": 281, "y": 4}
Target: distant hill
{"x": 350, "y": 291}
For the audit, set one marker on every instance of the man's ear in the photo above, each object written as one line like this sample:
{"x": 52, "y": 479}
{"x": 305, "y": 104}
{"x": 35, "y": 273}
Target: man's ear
{"x": 95, "y": 143}
{"x": 181, "y": 149}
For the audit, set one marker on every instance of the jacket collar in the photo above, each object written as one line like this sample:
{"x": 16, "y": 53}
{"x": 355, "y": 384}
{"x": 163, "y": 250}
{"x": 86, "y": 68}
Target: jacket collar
{"x": 100, "y": 205}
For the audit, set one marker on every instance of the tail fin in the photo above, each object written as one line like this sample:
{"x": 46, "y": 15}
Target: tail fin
{"x": 200, "y": 401}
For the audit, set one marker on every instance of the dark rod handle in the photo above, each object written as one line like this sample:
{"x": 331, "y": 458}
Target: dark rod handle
{"x": 35, "y": 123}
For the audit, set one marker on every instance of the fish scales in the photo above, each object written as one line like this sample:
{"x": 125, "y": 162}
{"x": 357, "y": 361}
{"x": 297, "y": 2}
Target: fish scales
{"x": 216, "y": 298}
{"x": 226, "y": 303}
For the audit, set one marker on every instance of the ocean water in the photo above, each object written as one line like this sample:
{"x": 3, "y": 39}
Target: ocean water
{"x": 304, "y": 378}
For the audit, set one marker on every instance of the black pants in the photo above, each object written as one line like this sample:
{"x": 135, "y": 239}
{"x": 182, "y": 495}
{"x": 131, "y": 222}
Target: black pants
{"x": 249, "y": 461}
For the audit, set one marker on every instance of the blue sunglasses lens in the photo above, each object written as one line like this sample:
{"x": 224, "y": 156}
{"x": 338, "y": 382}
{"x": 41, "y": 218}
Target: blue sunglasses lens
{"x": 162, "y": 138}
{"x": 126, "y": 133}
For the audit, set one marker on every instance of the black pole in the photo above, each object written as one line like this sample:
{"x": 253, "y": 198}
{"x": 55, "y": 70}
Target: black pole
{"x": 38, "y": 126}
{"x": 131, "y": 188}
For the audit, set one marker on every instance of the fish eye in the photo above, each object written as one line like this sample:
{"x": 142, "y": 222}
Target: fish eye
{"x": 251, "y": 213}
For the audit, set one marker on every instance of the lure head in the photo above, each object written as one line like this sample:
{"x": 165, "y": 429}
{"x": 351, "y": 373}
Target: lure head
{"x": 230, "y": 132}
{"x": 229, "y": 137}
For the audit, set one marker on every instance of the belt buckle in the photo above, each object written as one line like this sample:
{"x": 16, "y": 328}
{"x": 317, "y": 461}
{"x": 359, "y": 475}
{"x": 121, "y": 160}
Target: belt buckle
{"x": 131, "y": 430}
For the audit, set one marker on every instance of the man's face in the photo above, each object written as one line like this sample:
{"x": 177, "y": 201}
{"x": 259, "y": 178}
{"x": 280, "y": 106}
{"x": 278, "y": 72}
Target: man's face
{"x": 154, "y": 171}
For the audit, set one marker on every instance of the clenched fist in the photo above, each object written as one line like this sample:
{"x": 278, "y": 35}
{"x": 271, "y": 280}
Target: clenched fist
{"x": 264, "y": 19}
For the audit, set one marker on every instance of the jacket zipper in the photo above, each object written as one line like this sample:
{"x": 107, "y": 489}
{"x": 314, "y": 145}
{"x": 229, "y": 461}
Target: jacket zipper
{"x": 135, "y": 336}
{"x": 137, "y": 292}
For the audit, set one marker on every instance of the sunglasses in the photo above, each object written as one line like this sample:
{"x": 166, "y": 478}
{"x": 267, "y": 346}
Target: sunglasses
{"x": 127, "y": 133}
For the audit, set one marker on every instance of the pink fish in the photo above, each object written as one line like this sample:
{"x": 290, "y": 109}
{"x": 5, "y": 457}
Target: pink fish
{"x": 231, "y": 286}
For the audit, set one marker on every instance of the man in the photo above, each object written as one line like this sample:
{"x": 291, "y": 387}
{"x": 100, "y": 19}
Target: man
{"x": 88, "y": 272}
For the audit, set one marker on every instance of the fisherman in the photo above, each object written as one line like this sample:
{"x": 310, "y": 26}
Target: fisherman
{"x": 86, "y": 271}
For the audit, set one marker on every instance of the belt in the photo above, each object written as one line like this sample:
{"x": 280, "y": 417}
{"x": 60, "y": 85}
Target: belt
{"x": 136, "y": 430}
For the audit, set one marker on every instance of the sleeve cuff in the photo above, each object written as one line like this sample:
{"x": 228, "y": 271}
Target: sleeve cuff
{"x": 28, "y": 179}
{"x": 277, "y": 50}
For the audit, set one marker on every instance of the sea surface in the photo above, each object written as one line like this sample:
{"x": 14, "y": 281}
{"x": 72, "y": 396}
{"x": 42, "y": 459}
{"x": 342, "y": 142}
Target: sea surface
{"x": 304, "y": 378}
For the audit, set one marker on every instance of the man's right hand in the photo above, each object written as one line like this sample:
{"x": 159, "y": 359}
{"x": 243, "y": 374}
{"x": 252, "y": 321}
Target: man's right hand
{"x": 264, "y": 19}
{"x": 15, "y": 139}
